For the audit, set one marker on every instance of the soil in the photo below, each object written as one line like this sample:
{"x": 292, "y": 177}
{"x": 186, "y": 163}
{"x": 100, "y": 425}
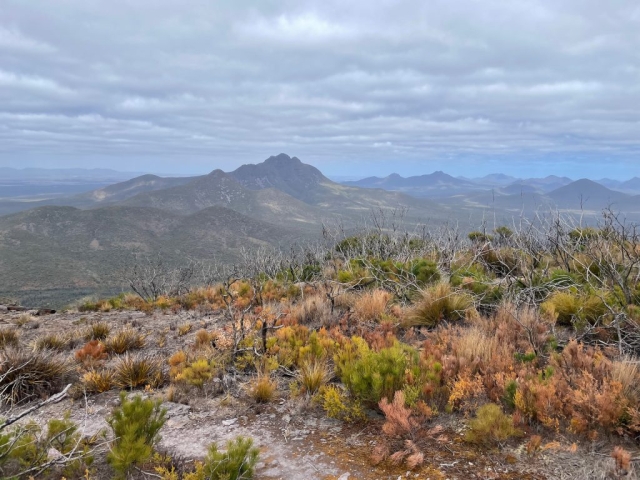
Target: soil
{"x": 297, "y": 441}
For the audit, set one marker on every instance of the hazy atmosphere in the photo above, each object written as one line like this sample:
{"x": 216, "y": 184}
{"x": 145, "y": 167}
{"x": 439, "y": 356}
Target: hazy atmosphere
{"x": 525, "y": 88}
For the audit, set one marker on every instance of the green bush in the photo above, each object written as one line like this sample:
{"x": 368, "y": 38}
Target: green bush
{"x": 136, "y": 424}
{"x": 490, "y": 426}
{"x": 237, "y": 463}
{"x": 370, "y": 376}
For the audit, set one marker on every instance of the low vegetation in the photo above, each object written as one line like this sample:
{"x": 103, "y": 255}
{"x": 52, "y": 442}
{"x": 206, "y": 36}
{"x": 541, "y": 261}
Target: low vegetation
{"x": 516, "y": 334}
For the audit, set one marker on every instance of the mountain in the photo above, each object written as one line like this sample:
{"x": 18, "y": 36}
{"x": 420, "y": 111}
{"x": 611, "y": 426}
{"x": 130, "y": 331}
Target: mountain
{"x": 495, "y": 179}
{"x": 631, "y": 185}
{"x": 546, "y": 184}
{"x": 63, "y": 174}
{"x": 609, "y": 183}
{"x": 436, "y": 184}
{"x": 585, "y": 194}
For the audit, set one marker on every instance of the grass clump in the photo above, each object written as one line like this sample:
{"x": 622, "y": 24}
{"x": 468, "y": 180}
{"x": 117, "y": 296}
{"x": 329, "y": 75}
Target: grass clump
{"x": 263, "y": 389}
{"x": 9, "y": 337}
{"x": 439, "y": 303}
{"x": 97, "y": 331}
{"x": 237, "y": 463}
{"x": 490, "y": 426}
{"x": 370, "y": 306}
{"x": 52, "y": 341}
{"x": 25, "y": 375}
{"x": 132, "y": 371}
{"x": 136, "y": 424}
{"x": 97, "y": 381}
{"x": 313, "y": 375}
{"x": 125, "y": 340}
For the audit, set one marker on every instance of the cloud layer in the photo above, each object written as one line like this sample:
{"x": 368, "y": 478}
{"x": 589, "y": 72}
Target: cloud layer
{"x": 467, "y": 86}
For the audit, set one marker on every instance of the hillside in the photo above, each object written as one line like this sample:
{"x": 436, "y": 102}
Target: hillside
{"x": 585, "y": 194}
{"x": 64, "y": 247}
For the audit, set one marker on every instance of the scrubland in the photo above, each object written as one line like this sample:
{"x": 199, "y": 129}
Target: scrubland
{"x": 509, "y": 353}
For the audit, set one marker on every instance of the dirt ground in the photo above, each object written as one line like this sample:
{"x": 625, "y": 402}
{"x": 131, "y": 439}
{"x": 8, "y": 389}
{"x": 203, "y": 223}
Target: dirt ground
{"x": 297, "y": 441}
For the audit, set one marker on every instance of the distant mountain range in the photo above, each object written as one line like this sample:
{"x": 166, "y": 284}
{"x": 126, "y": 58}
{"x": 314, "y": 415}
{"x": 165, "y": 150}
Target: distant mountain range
{"x": 82, "y": 241}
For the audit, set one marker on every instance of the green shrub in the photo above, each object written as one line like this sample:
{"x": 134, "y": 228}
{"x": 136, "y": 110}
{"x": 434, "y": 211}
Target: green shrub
{"x": 136, "y": 424}
{"x": 570, "y": 307}
{"x": 237, "y": 463}
{"x": 370, "y": 376}
{"x": 490, "y": 426}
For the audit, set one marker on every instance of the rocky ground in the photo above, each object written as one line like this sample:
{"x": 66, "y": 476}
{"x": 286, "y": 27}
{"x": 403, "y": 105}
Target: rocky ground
{"x": 296, "y": 439}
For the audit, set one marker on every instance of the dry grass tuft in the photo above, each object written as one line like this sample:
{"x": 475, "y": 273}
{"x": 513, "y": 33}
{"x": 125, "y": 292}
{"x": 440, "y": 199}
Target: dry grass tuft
{"x": 97, "y": 381}
{"x": 8, "y": 337}
{"x": 262, "y": 389}
{"x": 124, "y": 340}
{"x": 370, "y": 306}
{"x": 475, "y": 344}
{"x": 204, "y": 338}
{"x": 132, "y": 371}
{"x": 627, "y": 372}
{"x": 312, "y": 310}
{"x": 25, "y": 375}
{"x": 184, "y": 329}
{"x": 439, "y": 303}
{"x": 313, "y": 375}
{"x": 97, "y": 331}
{"x": 52, "y": 341}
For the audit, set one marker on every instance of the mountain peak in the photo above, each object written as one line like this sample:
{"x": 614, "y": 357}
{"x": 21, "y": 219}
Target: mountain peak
{"x": 282, "y": 160}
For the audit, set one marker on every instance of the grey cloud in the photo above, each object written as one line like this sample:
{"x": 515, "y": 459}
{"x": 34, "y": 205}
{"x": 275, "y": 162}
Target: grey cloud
{"x": 335, "y": 83}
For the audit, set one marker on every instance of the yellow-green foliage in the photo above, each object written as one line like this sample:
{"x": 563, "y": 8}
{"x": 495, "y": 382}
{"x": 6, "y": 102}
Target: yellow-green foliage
{"x": 136, "y": 424}
{"x": 184, "y": 329}
{"x": 292, "y": 345}
{"x": 8, "y": 337}
{"x": 124, "y": 340}
{"x": 490, "y": 425}
{"x": 132, "y": 371}
{"x": 197, "y": 373}
{"x": 369, "y": 375}
{"x": 569, "y": 307}
{"x": 337, "y": 404}
{"x": 236, "y": 463}
{"x": 439, "y": 303}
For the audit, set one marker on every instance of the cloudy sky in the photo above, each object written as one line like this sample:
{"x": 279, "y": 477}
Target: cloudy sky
{"x": 526, "y": 87}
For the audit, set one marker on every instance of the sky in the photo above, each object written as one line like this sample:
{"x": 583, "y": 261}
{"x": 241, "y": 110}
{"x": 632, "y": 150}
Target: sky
{"x": 355, "y": 88}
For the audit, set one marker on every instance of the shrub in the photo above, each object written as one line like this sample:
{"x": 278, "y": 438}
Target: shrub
{"x": 136, "y": 424}
{"x": 262, "y": 389}
{"x": 237, "y": 463}
{"x": 370, "y": 376}
{"x": 132, "y": 371}
{"x": 92, "y": 352}
{"x": 439, "y": 303}
{"x": 203, "y": 338}
{"x": 195, "y": 373}
{"x": 97, "y": 331}
{"x": 97, "y": 381}
{"x": 8, "y": 337}
{"x": 490, "y": 426}
{"x": 125, "y": 340}
{"x": 25, "y": 375}
{"x": 567, "y": 308}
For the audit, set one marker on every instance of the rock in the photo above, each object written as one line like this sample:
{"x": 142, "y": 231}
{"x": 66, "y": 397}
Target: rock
{"x": 344, "y": 476}
{"x": 16, "y": 308}
{"x": 45, "y": 311}
{"x": 228, "y": 423}
{"x": 3, "y": 308}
